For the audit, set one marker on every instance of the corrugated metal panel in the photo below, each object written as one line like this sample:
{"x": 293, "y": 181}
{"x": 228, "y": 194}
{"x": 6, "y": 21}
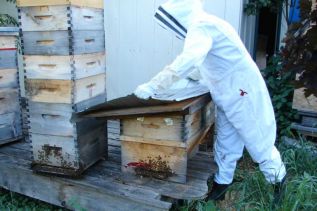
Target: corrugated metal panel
{"x": 137, "y": 48}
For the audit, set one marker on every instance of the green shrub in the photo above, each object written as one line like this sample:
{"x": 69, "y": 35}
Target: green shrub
{"x": 281, "y": 91}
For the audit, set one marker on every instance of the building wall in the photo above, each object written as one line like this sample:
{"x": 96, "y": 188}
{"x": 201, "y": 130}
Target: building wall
{"x": 137, "y": 48}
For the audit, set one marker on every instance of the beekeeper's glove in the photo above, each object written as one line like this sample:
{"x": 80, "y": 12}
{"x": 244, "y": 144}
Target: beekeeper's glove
{"x": 144, "y": 91}
{"x": 159, "y": 83}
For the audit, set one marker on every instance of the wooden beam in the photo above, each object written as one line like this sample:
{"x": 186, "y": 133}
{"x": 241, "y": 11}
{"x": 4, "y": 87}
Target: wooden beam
{"x": 90, "y": 194}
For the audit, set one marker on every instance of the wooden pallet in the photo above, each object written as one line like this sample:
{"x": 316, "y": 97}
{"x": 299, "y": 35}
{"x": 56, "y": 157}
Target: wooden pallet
{"x": 308, "y": 124}
{"x": 101, "y": 187}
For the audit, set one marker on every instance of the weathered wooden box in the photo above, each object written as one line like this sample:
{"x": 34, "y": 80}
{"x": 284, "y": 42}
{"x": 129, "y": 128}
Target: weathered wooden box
{"x": 8, "y": 58}
{"x": 81, "y": 3}
{"x": 160, "y": 146}
{"x": 64, "y": 67}
{"x": 302, "y": 103}
{"x": 61, "y": 146}
{"x": 63, "y": 42}
{"x": 8, "y": 78}
{"x": 10, "y": 110}
{"x": 65, "y": 91}
{"x": 61, "y": 18}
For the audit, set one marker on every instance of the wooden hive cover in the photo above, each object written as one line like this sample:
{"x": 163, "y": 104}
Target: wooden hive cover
{"x": 131, "y": 106}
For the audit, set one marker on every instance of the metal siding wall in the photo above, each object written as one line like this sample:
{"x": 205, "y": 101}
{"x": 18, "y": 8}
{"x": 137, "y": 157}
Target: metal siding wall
{"x": 137, "y": 48}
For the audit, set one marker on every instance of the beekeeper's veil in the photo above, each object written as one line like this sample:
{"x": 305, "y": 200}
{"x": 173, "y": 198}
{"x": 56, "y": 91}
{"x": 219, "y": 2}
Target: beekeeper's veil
{"x": 177, "y": 15}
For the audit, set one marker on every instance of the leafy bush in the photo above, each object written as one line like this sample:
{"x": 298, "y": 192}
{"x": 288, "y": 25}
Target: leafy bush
{"x": 281, "y": 91}
{"x": 300, "y": 51}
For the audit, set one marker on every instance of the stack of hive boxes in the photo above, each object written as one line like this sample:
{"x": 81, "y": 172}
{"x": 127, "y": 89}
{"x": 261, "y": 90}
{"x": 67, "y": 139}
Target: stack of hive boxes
{"x": 64, "y": 67}
{"x": 10, "y": 112}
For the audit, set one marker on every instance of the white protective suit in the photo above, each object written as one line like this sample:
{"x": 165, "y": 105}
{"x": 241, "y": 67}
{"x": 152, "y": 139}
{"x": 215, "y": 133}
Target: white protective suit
{"x": 245, "y": 114}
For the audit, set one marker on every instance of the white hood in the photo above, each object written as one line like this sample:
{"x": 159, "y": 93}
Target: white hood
{"x": 177, "y": 15}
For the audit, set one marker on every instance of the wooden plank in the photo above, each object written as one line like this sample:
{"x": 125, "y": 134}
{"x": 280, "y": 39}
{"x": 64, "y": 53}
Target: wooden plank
{"x": 58, "y": 42}
{"x": 302, "y": 103}
{"x": 305, "y": 130}
{"x": 81, "y": 3}
{"x": 71, "y": 194}
{"x": 105, "y": 177}
{"x": 54, "y": 18}
{"x": 8, "y": 59}
{"x": 7, "y": 42}
{"x": 8, "y": 78}
{"x": 92, "y": 178}
{"x": 10, "y": 140}
{"x": 17, "y": 152}
{"x": 310, "y": 121}
{"x": 60, "y": 91}
{"x": 9, "y": 99}
{"x": 10, "y": 126}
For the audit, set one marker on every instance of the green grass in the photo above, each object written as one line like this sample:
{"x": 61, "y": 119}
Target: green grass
{"x": 13, "y": 201}
{"x": 252, "y": 192}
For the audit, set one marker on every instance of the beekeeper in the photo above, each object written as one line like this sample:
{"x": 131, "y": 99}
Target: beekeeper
{"x": 245, "y": 115}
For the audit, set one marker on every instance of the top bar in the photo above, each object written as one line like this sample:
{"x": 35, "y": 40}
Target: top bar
{"x": 81, "y": 3}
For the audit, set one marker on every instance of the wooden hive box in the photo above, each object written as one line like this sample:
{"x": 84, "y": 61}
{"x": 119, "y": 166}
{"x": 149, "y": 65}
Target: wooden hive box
{"x": 157, "y": 141}
{"x": 10, "y": 110}
{"x": 161, "y": 146}
{"x": 65, "y": 91}
{"x": 61, "y": 146}
{"x": 61, "y": 30}
{"x": 81, "y": 3}
{"x": 305, "y": 104}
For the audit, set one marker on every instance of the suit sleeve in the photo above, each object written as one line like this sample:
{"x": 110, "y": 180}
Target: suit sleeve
{"x": 198, "y": 43}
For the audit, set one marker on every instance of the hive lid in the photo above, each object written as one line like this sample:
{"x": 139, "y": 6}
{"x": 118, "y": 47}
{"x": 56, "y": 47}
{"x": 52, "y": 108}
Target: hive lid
{"x": 130, "y": 106}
